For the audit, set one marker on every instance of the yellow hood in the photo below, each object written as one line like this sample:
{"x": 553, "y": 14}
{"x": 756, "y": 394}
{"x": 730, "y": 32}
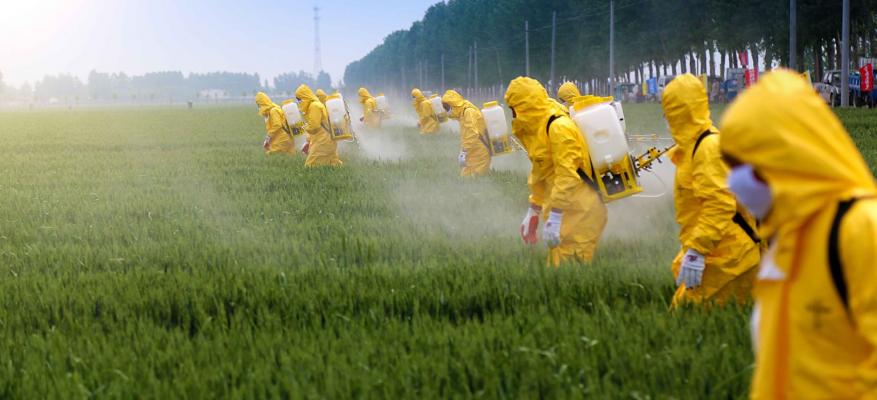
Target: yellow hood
{"x": 364, "y": 95}
{"x": 567, "y": 92}
{"x": 306, "y": 97}
{"x": 795, "y": 142}
{"x": 687, "y": 110}
{"x": 532, "y": 107}
{"x": 321, "y": 95}
{"x": 417, "y": 97}
{"x": 457, "y": 103}
{"x": 265, "y": 104}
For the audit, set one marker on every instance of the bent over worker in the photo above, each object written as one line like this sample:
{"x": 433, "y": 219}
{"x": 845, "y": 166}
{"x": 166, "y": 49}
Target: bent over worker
{"x": 371, "y": 117}
{"x": 719, "y": 244}
{"x": 322, "y": 150}
{"x": 567, "y": 93}
{"x": 558, "y": 181}
{"x": 426, "y": 118}
{"x": 815, "y": 315}
{"x": 474, "y": 157}
{"x": 279, "y": 138}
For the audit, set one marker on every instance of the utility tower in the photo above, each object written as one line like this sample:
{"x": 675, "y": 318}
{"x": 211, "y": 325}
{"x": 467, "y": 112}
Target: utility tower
{"x": 318, "y": 62}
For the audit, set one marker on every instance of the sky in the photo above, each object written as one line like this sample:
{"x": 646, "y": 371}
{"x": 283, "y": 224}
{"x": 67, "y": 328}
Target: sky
{"x": 137, "y": 36}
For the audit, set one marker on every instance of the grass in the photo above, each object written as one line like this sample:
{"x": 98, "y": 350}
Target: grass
{"x": 158, "y": 253}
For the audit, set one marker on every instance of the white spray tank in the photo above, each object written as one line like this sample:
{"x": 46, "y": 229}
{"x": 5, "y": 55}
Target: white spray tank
{"x": 436, "y": 102}
{"x": 293, "y": 115}
{"x": 336, "y": 109}
{"x": 615, "y": 175}
{"x": 382, "y": 102}
{"x": 338, "y": 117}
{"x": 498, "y": 132}
{"x": 620, "y": 112}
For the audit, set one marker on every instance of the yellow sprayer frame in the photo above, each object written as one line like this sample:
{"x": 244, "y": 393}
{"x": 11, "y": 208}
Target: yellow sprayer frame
{"x": 344, "y": 132}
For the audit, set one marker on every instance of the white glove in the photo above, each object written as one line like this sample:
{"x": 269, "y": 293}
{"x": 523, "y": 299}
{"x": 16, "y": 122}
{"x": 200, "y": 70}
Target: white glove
{"x": 530, "y": 224}
{"x": 551, "y": 231}
{"x": 691, "y": 272}
{"x": 462, "y": 158}
{"x": 267, "y": 142}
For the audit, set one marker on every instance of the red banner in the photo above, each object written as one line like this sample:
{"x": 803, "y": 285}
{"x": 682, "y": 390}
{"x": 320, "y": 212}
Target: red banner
{"x": 750, "y": 77}
{"x": 866, "y": 75}
{"x": 744, "y": 58}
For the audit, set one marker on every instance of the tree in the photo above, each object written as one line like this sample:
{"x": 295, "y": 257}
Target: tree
{"x": 652, "y": 37}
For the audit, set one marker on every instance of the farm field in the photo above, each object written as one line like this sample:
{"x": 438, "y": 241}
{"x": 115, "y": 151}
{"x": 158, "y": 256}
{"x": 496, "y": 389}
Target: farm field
{"x": 159, "y": 253}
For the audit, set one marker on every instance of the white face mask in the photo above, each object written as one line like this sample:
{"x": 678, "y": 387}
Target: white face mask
{"x": 750, "y": 191}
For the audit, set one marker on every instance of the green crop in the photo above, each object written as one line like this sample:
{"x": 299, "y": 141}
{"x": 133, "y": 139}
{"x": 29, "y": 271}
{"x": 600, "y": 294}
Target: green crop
{"x": 159, "y": 253}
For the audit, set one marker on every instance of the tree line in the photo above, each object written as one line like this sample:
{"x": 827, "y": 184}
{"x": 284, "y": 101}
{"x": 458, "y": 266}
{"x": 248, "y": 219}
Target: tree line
{"x": 652, "y": 38}
{"x": 153, "y": 86}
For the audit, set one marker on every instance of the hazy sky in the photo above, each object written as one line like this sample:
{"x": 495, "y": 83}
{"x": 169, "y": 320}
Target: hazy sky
{"x": 39, "y": 37}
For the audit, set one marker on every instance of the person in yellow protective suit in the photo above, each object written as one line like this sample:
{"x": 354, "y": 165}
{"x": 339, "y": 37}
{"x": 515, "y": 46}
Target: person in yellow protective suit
{"x": 567, "y": 93}
{"x": 560, "y": 180}
{"x": 474, "y": 157}
{"x": 720, "y": 246}
{"x": 815, "y": 317}
{"x": 322, "y": 96}
{"x": 370, "y": 114}
{"x": 322, "y": 150}
{"x": 279, "y": 138}
{"x": 427, "y": 120}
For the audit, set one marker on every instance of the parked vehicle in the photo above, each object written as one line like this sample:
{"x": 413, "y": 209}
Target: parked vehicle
{"x": 829, "y": 90}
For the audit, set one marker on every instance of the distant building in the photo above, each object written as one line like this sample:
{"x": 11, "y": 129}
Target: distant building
{"x": 213, "y": 94}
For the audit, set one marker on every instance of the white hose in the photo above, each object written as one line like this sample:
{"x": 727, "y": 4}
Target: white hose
{"x": 654, "y": 196}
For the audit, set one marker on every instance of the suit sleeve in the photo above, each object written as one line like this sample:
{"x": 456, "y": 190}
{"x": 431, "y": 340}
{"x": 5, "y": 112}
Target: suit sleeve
{"x": 425, "y": 113}
{"x": 536, "y": 183}
{"x": 718, "y": 206}
{"x": 275, "y": 124}
{"x": 470, "y": 136}
{"x": 314, "y": 119}
{"x": 567, "y": 152}
{"x": 858, "y": 250}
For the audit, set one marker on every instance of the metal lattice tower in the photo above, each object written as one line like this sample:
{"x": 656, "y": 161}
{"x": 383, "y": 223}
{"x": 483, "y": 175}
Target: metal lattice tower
{"x": 318, "y": 62}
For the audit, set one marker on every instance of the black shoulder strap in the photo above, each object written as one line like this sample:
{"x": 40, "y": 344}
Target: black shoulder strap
{"x": 700, "y": 139}
{"x": 582, "y": 174}
{"x": 551, "y": 119}
{"x": 740, "y": 221}
{"x": 834, "y": 261}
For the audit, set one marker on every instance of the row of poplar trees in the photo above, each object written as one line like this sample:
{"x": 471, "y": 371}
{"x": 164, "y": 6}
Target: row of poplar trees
{"x": 652, "y": 38}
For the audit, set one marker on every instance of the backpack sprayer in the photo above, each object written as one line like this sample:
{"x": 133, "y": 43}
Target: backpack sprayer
{"x": 294, "y": 120}
{"x": 383, "y": 106}
{"x": 339, "y": 119}
{"x": 615, "y": 169}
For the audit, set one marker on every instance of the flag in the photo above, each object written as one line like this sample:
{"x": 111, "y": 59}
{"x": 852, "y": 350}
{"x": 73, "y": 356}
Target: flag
{"x": 866, "y": 78}
{"x": 744, "y": 58}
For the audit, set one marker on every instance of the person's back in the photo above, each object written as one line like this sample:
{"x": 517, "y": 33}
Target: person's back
{"x": 370, "y": 115}
{"x": 427, "y": 120}
{"x": 474, "y": 155}
{"x": 279, "y": 137}
{"x": 815, "y": 318}
{"x": 559, "y": 177}
{"x": 719, "y": 247}
{"x": 322, "y": 149}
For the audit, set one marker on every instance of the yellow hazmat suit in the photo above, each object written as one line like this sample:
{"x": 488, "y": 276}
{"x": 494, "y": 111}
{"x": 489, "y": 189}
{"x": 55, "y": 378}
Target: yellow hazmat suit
{"x": 279, "y": 138}
{"x": 558, "y": 156}
{"x": 809, "y": 345}
{"x": 427, "y": 120}
{"x": 322, "y": 96}
{"x": 705, "y": 208}
{"x": 322, "y": 149}
{"x": 473, "y": 133}
{"x": 370, "y": 114}
{"x": 567, "y": 93}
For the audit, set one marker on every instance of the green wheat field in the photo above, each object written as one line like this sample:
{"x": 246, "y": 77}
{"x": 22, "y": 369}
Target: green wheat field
{"x": 158, "y": 253}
